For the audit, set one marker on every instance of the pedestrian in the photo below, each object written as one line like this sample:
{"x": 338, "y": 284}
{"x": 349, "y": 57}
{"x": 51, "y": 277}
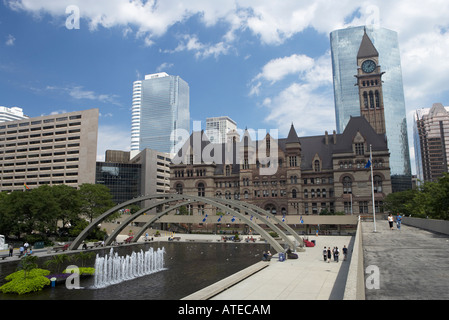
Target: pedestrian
{"x": 398, "y": 221}
{"x": 11, "y": 249}
{"x": 26, "y": 245}
{"x": 345, "y": 252}
{"x": 336, "y": 254}
{"x": 325, "y": 254}
{"x": 21, "y": 250}
{"x": 329, "y": 254}
{"x": 390, "y": 221}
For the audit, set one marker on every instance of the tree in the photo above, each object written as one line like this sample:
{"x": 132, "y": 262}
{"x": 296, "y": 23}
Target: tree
{"x": 95, "y": 200}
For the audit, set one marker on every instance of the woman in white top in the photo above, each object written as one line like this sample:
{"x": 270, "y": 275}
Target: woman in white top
{"x": 390, "y": 221}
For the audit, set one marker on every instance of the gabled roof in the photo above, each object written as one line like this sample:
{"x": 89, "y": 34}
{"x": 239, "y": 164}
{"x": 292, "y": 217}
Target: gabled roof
{"x": 367, "y": 48}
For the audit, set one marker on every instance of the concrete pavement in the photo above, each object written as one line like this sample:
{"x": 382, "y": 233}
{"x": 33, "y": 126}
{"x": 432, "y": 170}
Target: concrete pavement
{"x": 305, "y": 278}
{"x": 413, "y": 264}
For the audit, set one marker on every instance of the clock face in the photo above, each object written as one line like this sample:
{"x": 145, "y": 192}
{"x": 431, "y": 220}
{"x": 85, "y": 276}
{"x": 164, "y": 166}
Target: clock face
{"x": 368, "y": 66}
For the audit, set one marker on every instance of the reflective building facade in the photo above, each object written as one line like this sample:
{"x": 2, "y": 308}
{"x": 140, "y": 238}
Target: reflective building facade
{"x": 345, "y": 44}
{"x": 161, "y": 108}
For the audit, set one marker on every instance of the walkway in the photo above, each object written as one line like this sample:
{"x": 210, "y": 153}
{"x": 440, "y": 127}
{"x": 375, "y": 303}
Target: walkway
{"x": 413, "y": 263}
{"x": 306, "y": 278}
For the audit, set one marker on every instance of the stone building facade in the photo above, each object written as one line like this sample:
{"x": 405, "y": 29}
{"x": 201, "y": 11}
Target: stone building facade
{"x": 289, "y": 176}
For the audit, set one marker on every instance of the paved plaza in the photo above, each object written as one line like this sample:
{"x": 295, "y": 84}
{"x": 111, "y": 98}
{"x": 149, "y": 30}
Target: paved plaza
{"x": 305, "y": 278}
{"x": 413, "y": 263}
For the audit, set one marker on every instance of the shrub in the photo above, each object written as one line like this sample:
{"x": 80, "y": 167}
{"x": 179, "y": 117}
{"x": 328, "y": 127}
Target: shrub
{"x": 82, "y": 271}
{"x": 22, "y": 283}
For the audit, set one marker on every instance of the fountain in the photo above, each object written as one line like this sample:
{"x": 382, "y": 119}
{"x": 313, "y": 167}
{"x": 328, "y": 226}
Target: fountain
{"x": 114, "y": 269}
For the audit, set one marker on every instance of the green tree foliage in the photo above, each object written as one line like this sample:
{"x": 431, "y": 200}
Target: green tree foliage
{"x": 430, "y": 200}
{"x": 43, "y": 209}
{"x": 95, "y": 200}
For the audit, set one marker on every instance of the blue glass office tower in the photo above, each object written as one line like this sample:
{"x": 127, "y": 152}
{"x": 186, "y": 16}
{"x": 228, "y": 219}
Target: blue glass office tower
{"x": 161, "y": 109}
{"x": 345, "y": 45}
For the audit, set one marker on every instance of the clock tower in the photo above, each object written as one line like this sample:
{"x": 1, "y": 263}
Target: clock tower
{"x": 369, "y": 81}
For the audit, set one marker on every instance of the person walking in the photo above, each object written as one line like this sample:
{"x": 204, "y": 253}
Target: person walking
{"x": 11, "y": 250}
{"x": 325, "y": 254}
{"x": 336, "y": 254}
{"x": 390, "y": 221}
{"x": 329, "y": 254}
{"x": 345, "y": 252}
{"x": 398, "y": 221}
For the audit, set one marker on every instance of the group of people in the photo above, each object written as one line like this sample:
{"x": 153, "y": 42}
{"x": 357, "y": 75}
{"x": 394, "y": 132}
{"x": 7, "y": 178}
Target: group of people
{"x": 398, "y": 221}
{"x": 335, "y": 253}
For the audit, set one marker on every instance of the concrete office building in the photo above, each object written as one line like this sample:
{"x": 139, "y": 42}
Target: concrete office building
{"x": 217, "y": 128}
{"x": 49, "y": 150}
{"x": 431, "y": 137}
{"x": 350, "y": 48}
{"x": 160, "y": 113}
{"x": 127, "y": 178}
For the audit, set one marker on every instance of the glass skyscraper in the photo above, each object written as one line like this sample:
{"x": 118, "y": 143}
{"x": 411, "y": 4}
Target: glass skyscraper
{"x": 161, "y": 108}
{"x": 345, "y": 44}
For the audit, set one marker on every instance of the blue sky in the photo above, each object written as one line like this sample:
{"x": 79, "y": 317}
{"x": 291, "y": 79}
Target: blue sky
{"x": 265, "y": 64}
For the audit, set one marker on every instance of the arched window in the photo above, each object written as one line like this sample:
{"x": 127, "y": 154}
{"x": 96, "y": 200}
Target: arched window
{"x": 371, "y": 100}
{"x": 201, "y": 190}
{"x": 306, "y": 193}
{"x": 377, "y": 184}
{"x": 365, "y": 100}
{"x": 347, "y": 185}
{"x": 377, "y": 100}
{"x": 246, "y": 194}
{"x": 178, "y": 188}
{"x": 294, "y": 192}
{"x": 323, "y": 193}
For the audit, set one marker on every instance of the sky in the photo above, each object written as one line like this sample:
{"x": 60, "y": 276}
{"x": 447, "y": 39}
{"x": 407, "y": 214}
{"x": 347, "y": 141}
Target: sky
{"x": 265, "y": 64}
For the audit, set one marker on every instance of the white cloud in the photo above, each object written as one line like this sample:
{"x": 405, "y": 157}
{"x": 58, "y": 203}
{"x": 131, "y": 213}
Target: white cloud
{"x": 10, "y": 40}
{"x": 112, "y": 138}
{"x": 164, "y": 66}
{"x": 307, "y": 101}
{"x": 191, "y": 43}
{"x": 277, "y": 69}
{"x": 422, "y": 27}
{"x": 79, "y": 93}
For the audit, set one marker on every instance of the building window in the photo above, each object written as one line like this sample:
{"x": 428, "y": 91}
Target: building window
{"x": 347, "y": 185}
{"x": 377, "y": 184}
{"x": 363, "y": 207}
{"x": 293, "y": 161}
{"x": 379, "y": 206}
{"x": 317, "y": 166}
{"x": 359, "y": 149}
{"x": 365, "y": 100}
{"x": 201, "y": 190}
{"x": 228, "y": 171}
{"x": 371, "y": 100}
{"x": 377, "y": 100}
{"x": 347, "y": 206}
{"x": 179, "y": 188}
{"x": 294, "y": 192}
{"x": 306, "y": 193}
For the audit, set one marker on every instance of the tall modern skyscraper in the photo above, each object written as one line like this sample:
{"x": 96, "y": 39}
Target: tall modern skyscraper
{"x": 350, "y": 48}
{"x": 160, "y": 110}
{"x": 11, "y": 114}
{"x": 431, "y": 137}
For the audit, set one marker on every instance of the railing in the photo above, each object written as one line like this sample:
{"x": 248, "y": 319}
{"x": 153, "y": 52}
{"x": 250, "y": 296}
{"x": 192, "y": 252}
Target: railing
{"x": 355, "y": 283}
